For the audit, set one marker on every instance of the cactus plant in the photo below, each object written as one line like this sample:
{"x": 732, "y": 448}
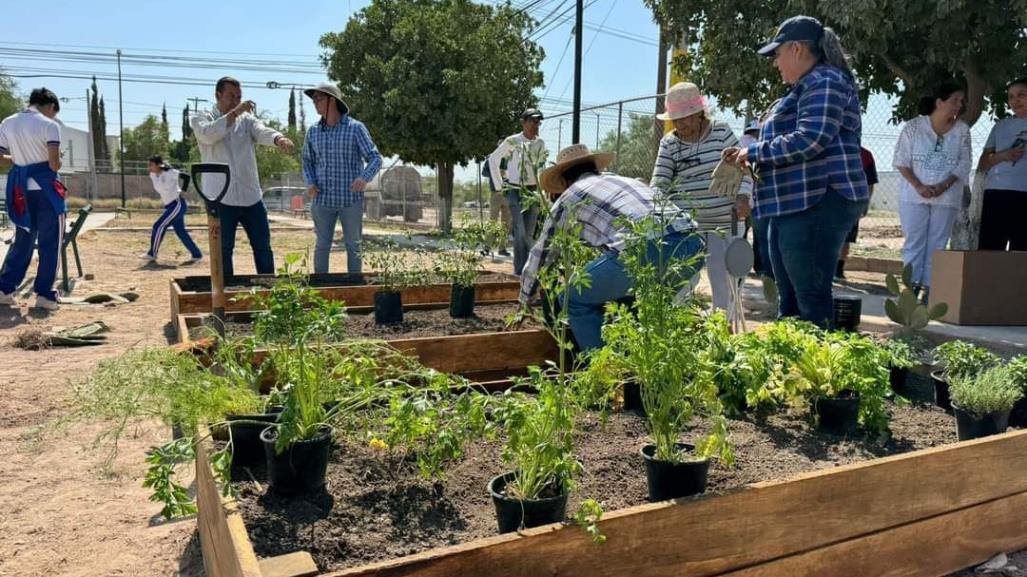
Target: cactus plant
{"x": 905, "y": 309}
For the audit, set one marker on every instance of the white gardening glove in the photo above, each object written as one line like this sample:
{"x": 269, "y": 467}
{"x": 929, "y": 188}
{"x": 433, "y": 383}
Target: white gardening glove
{"x": 727, "y": 179}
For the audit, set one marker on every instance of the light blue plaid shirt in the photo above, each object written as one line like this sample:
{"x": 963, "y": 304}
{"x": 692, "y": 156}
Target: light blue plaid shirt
{"x": 808, "y": 144}
{"x": 335, "y": 156}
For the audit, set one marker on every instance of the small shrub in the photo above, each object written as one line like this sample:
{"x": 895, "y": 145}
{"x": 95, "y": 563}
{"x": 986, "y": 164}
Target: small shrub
{"x": 963, "y": 359}
{"x": 991, "y": 391}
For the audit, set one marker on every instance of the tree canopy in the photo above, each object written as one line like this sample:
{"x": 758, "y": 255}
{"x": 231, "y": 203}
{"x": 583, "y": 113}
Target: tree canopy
{"x": 10, "y": 102}
{"x": 148, "y": 138}
{"x": 437, "y": 82}
{"x": 638, "y": 148}
{"x": 899, "y": 47}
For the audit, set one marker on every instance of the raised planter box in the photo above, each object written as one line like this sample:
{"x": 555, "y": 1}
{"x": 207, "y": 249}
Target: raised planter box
{"x": 981, "y": 287}
{"x": 191, "y": 294}
{"x": 925, "y": 513}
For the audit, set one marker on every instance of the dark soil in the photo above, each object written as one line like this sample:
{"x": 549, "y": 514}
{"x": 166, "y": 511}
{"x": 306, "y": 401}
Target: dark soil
{"x": 416, "y": 323}
{"x": 202, "y": 283}
{"x": 376, "y": 508}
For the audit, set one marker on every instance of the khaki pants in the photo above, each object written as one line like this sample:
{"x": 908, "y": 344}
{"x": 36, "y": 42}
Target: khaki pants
{"x": 498, "y": 208}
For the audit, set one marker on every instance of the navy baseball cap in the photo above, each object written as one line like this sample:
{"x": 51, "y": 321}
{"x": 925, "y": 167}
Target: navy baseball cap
{"x": 795, "y": 29}
{"x": 532, "y": 113}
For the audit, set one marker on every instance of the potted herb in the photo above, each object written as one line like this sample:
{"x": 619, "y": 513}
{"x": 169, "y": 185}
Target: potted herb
{"x": 982, "y": 402}
{"x": 900, "y": 357}
{"x": 540, "y": 450}
{"x": 393, "y": 275}
{"x": 291, "y": 309}
{"x": 1017, "y": 367}
{"x": 959, "y": 359}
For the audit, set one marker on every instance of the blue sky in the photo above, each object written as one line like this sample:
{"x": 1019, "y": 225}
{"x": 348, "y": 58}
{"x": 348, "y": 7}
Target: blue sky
{"x": 615, "y": 67}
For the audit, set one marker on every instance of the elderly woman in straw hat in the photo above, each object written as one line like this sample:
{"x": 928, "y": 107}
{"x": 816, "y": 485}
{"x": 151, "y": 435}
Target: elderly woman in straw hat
{"x": 601, "y": 202}
{"x": 684, "y": 171}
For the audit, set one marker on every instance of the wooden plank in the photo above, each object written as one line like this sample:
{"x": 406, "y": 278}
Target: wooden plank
{"x": 481, "y": 352}
{"x": 227, "y": 550}
{"x": 298, "y": 564}
{"x": 929, "y": 548}
{"x": 707, "y": 536}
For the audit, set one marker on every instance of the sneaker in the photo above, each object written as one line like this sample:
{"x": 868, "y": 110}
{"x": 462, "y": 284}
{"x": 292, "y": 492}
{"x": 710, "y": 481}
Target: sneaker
{"x": 194, "y": 259}
{"x": 504, "y": 252}
{"x": 8, "y": 300}
{"x": 148, "y": 257}
{"x": 44, "y": 303}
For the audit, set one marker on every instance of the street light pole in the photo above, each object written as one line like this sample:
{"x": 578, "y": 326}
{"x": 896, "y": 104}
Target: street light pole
{"x": 121, "y": 131}
{"x": 579, "y": 21}
{"x": 597, "y": 129}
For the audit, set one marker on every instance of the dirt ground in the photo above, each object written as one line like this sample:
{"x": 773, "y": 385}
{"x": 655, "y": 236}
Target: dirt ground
{"x": 64, "y": 515}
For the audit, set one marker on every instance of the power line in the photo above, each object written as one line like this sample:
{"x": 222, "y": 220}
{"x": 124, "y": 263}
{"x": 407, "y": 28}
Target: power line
{"x": 590, "y": 44}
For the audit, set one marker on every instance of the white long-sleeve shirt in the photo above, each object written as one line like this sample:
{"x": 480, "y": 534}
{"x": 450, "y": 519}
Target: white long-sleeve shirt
{"x": 166, "y": 184}
{"x": 932, "y": 159}
{"x": 525, "y": 158}
{"x": 234, "y": 145}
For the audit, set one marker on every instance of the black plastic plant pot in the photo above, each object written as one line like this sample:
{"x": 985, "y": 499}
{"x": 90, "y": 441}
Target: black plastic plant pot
{"x": 941, "y": 391}
{"x": 388, "y": 308}
{"x": 847, "y": 312}
{"x": 301, "y": 467}
{"x": 970, "y": 426}
{"x": 633, "y": 398}
{"x": 839, "y": 415}
{"x": 1018, "y": 416}
{"x": 512, "y": 514}
{"x": 461, "y": 302}
{"x": 668, "y": 480}
{"x": 897, "y": 377}
{"x": 247, "y": 448}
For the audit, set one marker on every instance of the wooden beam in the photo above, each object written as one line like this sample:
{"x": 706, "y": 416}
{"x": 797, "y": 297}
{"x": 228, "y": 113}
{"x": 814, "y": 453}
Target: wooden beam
{"x": 298, "y": 564}
{"x": 929, "y": 548}
{"x": 712, "y": 535}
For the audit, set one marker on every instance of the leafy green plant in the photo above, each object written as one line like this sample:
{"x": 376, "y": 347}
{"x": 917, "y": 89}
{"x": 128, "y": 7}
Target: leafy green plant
{"x": 963, "y": 359}
{"x": 394, "y": 272}
{"x": 906, "y": 310}
{"x": 899, "y": 354}
{"x": 1017, "y": 368}
{"x": 291, "y": 310}
{"x": 990, "y": 391}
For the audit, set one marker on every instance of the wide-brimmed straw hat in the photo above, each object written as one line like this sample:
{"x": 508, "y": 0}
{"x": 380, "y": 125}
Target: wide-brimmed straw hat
{"x": 331, "y": 90}
{"x": 683, "y": 99}
{"x": 573, "y": 155}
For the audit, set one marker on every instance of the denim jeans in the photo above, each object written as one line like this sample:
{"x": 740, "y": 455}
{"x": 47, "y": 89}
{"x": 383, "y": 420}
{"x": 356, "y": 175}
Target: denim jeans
{"x": 804, "y": 248}
{"x": 927, "y": 228}
{"x": 46, "y": 229}
{"x": 523, "y": 228}
{"x": 760, "y": 240}
{"x": 253, "y": 219}
{"x": 352, "y": 219}
{"x": 611, "y": 282}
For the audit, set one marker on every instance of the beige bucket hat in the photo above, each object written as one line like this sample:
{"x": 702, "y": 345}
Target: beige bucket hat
{"x": 573, "y": 155}
{"x": 331, "y": 90}
{"x": 683, "y": 99}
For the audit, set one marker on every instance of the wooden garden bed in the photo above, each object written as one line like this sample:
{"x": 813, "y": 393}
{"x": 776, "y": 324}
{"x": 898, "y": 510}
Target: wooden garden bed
{"x": 924, "y": 513}
{"x": 192, "y": 294}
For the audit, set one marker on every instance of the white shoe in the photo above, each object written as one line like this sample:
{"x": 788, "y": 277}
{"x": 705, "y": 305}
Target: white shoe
{"x": 44, "y": 303}
{"x": 8, "y": 300}
{"x": 147, "y": 256}
{"x": 194, "y": 259}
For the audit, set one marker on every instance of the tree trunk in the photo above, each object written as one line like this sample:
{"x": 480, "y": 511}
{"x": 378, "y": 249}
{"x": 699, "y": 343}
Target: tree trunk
{"x": 967, "y": 228}
{"x": 444, "y": 175}
{"x": 976, "y": 90}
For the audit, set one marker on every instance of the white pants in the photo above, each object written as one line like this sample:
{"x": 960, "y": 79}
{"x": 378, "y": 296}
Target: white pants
{"x": 716, "y": 270}
{"x": 927, "y": 228}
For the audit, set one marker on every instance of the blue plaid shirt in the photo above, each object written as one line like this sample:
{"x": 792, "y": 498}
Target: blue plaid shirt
{"x": 808, "y": 143}
{"x": 335, "y": 156}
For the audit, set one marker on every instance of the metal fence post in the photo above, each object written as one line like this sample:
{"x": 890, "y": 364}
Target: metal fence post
{"x": 620, "y": 116}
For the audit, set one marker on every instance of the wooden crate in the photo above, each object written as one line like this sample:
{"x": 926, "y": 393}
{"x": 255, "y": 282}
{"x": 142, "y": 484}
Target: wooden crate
{"x": 921, "y": 514}
{"x": 980, "y": 287}
{"x": 356, "y": 291}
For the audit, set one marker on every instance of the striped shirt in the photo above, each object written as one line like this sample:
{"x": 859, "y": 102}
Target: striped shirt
{"x": 685, "y": 169}
{"x": 599, "y": 203}
{"x": 808, "y": 143}
{"x": 335, "y": 156}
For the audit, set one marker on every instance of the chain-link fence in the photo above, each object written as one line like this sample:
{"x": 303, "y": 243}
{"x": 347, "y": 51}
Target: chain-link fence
{"x": 630, "y": 129}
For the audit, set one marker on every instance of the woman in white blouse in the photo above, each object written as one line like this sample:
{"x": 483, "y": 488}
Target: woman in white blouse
{"x": 165, "y": 182}
{"x": 933, "y": 156}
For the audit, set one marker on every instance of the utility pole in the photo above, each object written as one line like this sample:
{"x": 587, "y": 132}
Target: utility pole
{"x": 661, "y": 88}
{"x": 121, "y": 132}
{"x": 579, "y": 21}
{"x": 196, "y": 102}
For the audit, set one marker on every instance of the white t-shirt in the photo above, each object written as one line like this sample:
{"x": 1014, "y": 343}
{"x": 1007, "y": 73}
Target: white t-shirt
{"x": 166, "y": 185}
{"x": 1006, "y": 175}
{"x": 933, "y": 159}
{"x": 523, "y": 154}
{"x": 26, "y": 135}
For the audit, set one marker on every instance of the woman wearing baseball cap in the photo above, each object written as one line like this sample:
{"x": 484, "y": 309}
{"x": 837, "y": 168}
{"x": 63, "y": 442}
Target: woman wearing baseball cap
{"x": 811, "y": 184}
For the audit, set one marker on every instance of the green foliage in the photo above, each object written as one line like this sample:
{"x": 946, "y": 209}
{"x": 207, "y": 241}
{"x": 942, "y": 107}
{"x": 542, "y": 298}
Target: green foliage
{"x": 162, "y": 463}
{"x": 1017, "y": 367}
{"x": 636, "y": 154}
{"x": 906, "y": 310}
{"x": 460, "y": 266}
{"x": 902, "y": 54}
{"x": 991, "y": 391}
{"x": 964, "y": 360}
{"x": 589, "y": 513}
{"x": 270, "y": 160}
{"x": 899, "y": 353}
{"x": 291, "y": 310}
{"x": 10, "y": 102}
{"x": 148, "y": 138}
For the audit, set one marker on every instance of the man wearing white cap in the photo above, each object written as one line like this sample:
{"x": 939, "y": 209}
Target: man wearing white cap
{"x": 684, "y": 170}
{"x": 602, "y": 203}
{"x": 339, "y": 159}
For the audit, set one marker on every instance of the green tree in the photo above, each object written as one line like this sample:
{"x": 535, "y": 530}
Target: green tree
{"x": 899, "y": 47}
{"x": 164, "y": 116}
{"x": 437, "y": 82}
{"x": 10, "y": 102}
{"x": 270, "y": 160}
{"x": 98, "y": 125}
{"x": 636, "y": 154}
{"x": 292, "y": 109}
{"x": 147, "y": 139}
